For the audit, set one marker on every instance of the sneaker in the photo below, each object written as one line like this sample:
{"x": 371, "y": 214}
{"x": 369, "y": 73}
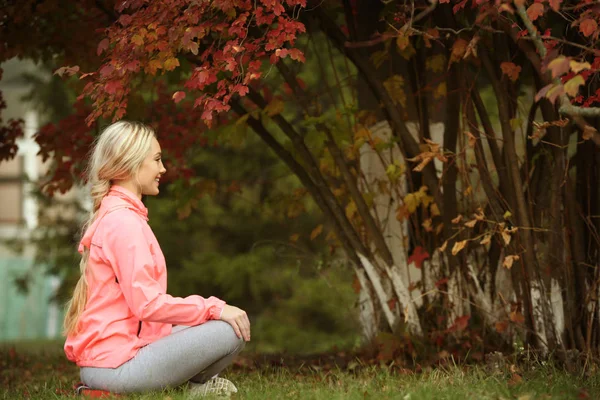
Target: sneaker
{"x": 220, "y": 387}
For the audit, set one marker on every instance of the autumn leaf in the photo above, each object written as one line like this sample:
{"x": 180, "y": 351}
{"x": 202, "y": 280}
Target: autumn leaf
{"x": 555, "y": 4}
{"x": 517, "y": 317}
{"x": 351, "y": 209}
{"x": 572, "y": 85}
{"x": 457, "y": 219}
{"x": 276, "y": 106}
{"x": 442, "y": 248}
{"x": 294, "y": 238}
{"x": 507, "y": 215}
{"x": 588, "y": 26}
{"x": 472, "y": 140}
{"x": 577, "y": 66}
{"x": 171, "y": 64}
{"x": 506, "y": 236}
{"x": 588, "y": 132}
{"x": 102, "y": 46}
{"x": 316, "y": 232}
{"x": 509, "y": 260}
{"x": 458, "y": 50}
{"x": 511, "y": 70}
{"x": 471, "y": 223}
{"x": 178, "y": 96}
{"x": 535, "y": 11}
{"x": 501, "y": 326}
{"x": 559, "y": 66}
{"x": 418, "y": 256}
{"x": 458, "y": 246}
{"x": 486, "y": 239}
{"x": 435, "y": 63}
{"x": 460, "y": 323}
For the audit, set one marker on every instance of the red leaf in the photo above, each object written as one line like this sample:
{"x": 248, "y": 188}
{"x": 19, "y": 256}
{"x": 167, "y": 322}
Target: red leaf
{"x": 460, "y": 324}
{"x": 511, "y": 70}
{"x": 418, "y": 256}
{"x": 588, "y": 27}
{"x": 555, "y": 4}
{"x": 102, "y": 46}
{"x": 535, "y": 11}
{"x": 178, "y": 96}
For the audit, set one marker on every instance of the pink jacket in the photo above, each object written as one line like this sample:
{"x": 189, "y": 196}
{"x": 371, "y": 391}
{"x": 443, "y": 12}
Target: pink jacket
{"x": 127, "y": 301}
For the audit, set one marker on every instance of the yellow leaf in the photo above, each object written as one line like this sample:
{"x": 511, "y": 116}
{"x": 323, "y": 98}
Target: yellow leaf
{"x": 479, "y": 215}
{"x": 507, "y": 215}
{"x": 137, "y": 40}
{"x": 171, "y": 64}
{"x": 579, "y": 66}
{"x": 468, "y": 191}
{"x": 509, "y": 260}
{"x": 411, "y": 202}
{"x": 442, "y": 248}
{"x": 427, "y": 225}
{"x": 435, "y": 211}
{"x": 471, "y": 223}
{"x": 458, "y": 246}
{"x": 276, "y": 106}
{"x": 395, "y": 87}
{"x": 436, "y": 63}
{"x": 486, "y": 239}
{"x": 316, "y": 232}
{"x": 426, "y": 200}
{"x": 294, "y": 238}
{"x": 440, "y": 91}
{"x": 402, "y": 41}
{"x": 351, "y": 209}
{"x": 506, "y": 236}
{"x": 438, "y": 229}
{"x": 572, "y": 85}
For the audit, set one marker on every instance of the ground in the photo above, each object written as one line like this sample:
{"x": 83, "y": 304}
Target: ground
{"x": 40, "y": 371}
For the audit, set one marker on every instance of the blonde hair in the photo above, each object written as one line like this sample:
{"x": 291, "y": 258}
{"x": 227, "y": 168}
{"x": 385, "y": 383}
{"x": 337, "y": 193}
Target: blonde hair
{"x": 117, "y": 154}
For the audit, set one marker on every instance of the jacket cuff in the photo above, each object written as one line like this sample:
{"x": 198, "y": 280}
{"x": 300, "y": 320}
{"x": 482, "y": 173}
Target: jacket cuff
{"x": 217, "y": 309}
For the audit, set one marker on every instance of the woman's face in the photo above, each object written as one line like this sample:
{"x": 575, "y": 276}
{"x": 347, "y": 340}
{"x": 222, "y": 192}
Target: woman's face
{"x": 151, "y": 170}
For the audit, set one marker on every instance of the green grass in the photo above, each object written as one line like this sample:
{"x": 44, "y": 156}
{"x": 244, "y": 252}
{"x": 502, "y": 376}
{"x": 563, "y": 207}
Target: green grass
{"x": 39, "y": 371}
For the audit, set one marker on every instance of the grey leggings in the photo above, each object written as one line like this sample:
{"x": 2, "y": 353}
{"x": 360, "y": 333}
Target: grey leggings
{"x": 194, "y": 354}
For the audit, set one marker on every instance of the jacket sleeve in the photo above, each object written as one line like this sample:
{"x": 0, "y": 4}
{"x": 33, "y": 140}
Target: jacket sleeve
{"x": 127, "y": 249}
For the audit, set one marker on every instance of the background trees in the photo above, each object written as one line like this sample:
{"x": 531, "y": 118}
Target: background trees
{"x": 451, "y": 146}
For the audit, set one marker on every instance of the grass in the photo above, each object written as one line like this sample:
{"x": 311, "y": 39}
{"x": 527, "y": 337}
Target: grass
{"x": 39, "y": 371}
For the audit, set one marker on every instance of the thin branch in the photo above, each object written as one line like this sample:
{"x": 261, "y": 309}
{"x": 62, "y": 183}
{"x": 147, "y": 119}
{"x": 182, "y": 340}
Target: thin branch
{"x": 566, "y": 108}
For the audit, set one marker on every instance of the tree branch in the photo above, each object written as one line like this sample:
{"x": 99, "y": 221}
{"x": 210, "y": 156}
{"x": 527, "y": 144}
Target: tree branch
{"x": 566, "y": 108}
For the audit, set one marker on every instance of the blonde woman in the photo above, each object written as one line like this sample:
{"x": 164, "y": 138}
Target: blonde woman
{"x": 120, "y": 322}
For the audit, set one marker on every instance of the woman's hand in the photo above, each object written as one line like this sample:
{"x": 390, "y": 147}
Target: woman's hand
{"x": 238, "y": 320}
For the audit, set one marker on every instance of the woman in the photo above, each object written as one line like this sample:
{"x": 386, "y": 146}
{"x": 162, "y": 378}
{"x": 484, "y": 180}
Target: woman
{"x": 120, "y": 322}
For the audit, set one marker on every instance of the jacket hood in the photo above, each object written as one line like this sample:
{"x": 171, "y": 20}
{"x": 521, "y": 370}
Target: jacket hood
{"x": 117, "y": 197}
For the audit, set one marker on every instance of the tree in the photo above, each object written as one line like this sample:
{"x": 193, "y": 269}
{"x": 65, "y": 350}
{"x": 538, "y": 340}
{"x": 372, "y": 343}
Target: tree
{"x": 496, "y": 122}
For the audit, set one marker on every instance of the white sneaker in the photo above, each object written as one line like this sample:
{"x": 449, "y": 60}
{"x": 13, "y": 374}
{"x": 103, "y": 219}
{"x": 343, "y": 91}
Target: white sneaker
{"x": 220, "y": 387}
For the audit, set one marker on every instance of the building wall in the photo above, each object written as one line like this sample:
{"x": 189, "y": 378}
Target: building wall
{"x": 31, "y": 314}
